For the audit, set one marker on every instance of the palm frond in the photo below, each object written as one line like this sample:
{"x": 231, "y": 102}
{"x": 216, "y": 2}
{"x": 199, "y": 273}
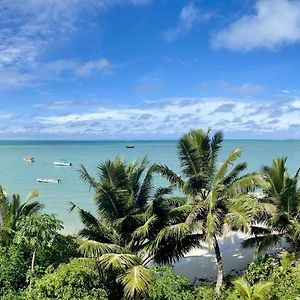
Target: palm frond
{"x": 136, "y": 281}
{"x": 241, "y": 211}
{"x": 31, "y": 195}
{"x": 119, "y": 261}
{"x": 263, "y": 242}
{"x": 170, "y": 175}
{"x": 86, "y": 177}
{"x": 94, "y": 249}
{"x": 225, "y": 165}
{"x": 260, "y": 290}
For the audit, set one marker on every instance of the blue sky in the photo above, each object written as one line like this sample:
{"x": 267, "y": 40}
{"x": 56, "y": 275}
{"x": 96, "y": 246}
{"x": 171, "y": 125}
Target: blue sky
{"x": 149, "y": 69}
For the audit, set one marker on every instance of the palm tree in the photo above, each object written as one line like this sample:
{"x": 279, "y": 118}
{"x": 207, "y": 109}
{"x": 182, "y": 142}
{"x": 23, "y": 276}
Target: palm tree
{"x": 12, "y": 210}
{"x": 255, "y": 292}
{"x": 130, "y": 214}
{"x": 280, "y": 217}
{"x": 219, "y": 197}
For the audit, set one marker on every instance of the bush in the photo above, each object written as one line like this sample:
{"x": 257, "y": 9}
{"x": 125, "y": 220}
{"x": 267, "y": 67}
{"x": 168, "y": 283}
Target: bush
{"x": 169, "y": 286}
{"x": 72, "y": 281}
{"x": 287, "y": 284}
{"x": 204, "y": 292}
{"x": 261, "y": 270}
{"x": 14, "y": 264}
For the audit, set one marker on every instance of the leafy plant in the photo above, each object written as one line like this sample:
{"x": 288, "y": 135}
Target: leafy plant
{"x": 169, "y": 286}
{"x": 37, "y": 232}
{"x": 246, "y": 291}
{"x": 75, "y": 280}
{"x": 14, "y": 263}
{"x": 12, "y": 211}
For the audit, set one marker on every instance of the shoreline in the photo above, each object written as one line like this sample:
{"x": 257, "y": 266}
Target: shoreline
{"x": 199, "y": 264}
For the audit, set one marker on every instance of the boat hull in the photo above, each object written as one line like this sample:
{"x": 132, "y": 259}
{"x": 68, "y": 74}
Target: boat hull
{"x": 62, "y": 164}
{"x": 42, "y": 180}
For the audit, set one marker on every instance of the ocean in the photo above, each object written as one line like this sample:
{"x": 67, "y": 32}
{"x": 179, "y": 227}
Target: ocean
{"x": 17, "y": 176}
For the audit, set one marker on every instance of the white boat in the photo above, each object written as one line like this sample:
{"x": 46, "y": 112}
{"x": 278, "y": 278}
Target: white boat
{"x": 29, "y": 159}
{"x": 43, "y": 180}
{"x": 62, "y": 164}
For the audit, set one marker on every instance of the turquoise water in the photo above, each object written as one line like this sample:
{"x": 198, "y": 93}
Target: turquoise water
{"x": 16, "y": 176}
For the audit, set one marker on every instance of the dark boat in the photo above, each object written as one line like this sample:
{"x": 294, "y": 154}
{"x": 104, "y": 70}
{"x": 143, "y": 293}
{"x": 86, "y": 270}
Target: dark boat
{"x": 130, "y": 146}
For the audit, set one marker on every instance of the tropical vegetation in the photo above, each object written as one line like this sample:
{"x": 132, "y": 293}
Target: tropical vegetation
{"x": 126, "y": 246}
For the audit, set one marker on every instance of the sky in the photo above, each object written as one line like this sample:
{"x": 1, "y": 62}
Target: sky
{"x": 149, "y": 69}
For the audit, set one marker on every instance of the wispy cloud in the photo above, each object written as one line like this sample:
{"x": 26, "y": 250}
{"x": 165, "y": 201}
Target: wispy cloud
{"x": 101, "y": 65}
{"x": 189, "y": 16}
{"x": 30, "y": 28}
{"x": 243, "y": 89}
{"x": 273, "y": 25}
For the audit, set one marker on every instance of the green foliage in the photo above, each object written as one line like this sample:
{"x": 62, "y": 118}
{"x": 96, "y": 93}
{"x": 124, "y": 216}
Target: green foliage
{"x": 258, "y": 291}
{"x": 284, "y": 272}
{"x": 261, "y": 270}
{"x": 14, "y": 263}
{"x": 130, "y": 214}
{"x": 61, "y": 250}
{"x": 169, "y": 286}
{"x": 204, "y": 292}
{"x": 280, "y": 208}
{"x": 287, "y": 285}
{"x": 219, "y": 196}
{"x": 12, "y": 211}
{"x": 75, "y": 280}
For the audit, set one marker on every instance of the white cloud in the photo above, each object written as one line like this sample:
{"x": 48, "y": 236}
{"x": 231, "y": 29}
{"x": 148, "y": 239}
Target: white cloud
{"x": 101, "y": 65}
{"x": 189, "y": 16}
{"x": 274, "y": 24}
{"x": 172, "y": 117}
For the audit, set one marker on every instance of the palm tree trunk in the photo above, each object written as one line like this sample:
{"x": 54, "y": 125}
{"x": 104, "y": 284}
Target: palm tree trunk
{"x": 33, "y": 260}
{"x": 32, "y": 268}
{"x": 219, "y": 266}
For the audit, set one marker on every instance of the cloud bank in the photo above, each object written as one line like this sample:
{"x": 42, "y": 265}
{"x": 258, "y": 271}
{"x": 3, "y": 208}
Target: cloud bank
{"x": 167, "y": 118}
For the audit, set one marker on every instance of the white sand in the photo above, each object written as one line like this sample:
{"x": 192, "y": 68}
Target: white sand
{"x": 199, "y": 264}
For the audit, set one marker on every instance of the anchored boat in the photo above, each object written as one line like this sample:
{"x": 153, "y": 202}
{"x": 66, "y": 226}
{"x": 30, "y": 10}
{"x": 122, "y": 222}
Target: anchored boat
{"x": 62, "y": 163}
{"x": 42, "y": 180}
{"x": 29, "y": 159}
{"x": 130, "y": 146}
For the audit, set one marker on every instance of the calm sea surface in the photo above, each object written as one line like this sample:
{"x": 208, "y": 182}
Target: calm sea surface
{"x": 16, "y": 176}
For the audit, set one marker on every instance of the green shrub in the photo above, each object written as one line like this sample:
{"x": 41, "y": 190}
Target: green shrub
{"x": 261, "y": 269}
{"x": 287, "y": 284}
{"x": 169, "y": 286}
{"x": 73, "y": 281}
{"x": 204, "y": 292}
{"x": 14, "y": 264}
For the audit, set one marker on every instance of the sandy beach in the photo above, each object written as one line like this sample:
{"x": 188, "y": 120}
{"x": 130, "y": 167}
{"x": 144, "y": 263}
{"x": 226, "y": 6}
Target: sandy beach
{"x": 199, "y": 264}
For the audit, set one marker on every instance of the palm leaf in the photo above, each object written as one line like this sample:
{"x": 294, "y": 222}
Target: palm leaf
{"x": 94, "y": 249}
{"x": 119, "y": 261}
{"x": 136, "y": 280}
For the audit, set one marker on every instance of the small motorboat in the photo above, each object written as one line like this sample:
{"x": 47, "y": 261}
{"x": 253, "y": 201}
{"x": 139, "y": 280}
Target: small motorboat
{"x": 130, "y": 146}
{"x": 42, "y": 180}
{"x": 62, "y": 163}
{"x": 29, "y": 159}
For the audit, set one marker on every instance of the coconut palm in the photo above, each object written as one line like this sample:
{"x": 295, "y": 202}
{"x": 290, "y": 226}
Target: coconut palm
{"x": 219, "y": 198}
{"x": 130, "y": 214}
{"x": 12, "y": 210}
{"x": 256, "y": 292}
{"x": 280, "y": 219}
